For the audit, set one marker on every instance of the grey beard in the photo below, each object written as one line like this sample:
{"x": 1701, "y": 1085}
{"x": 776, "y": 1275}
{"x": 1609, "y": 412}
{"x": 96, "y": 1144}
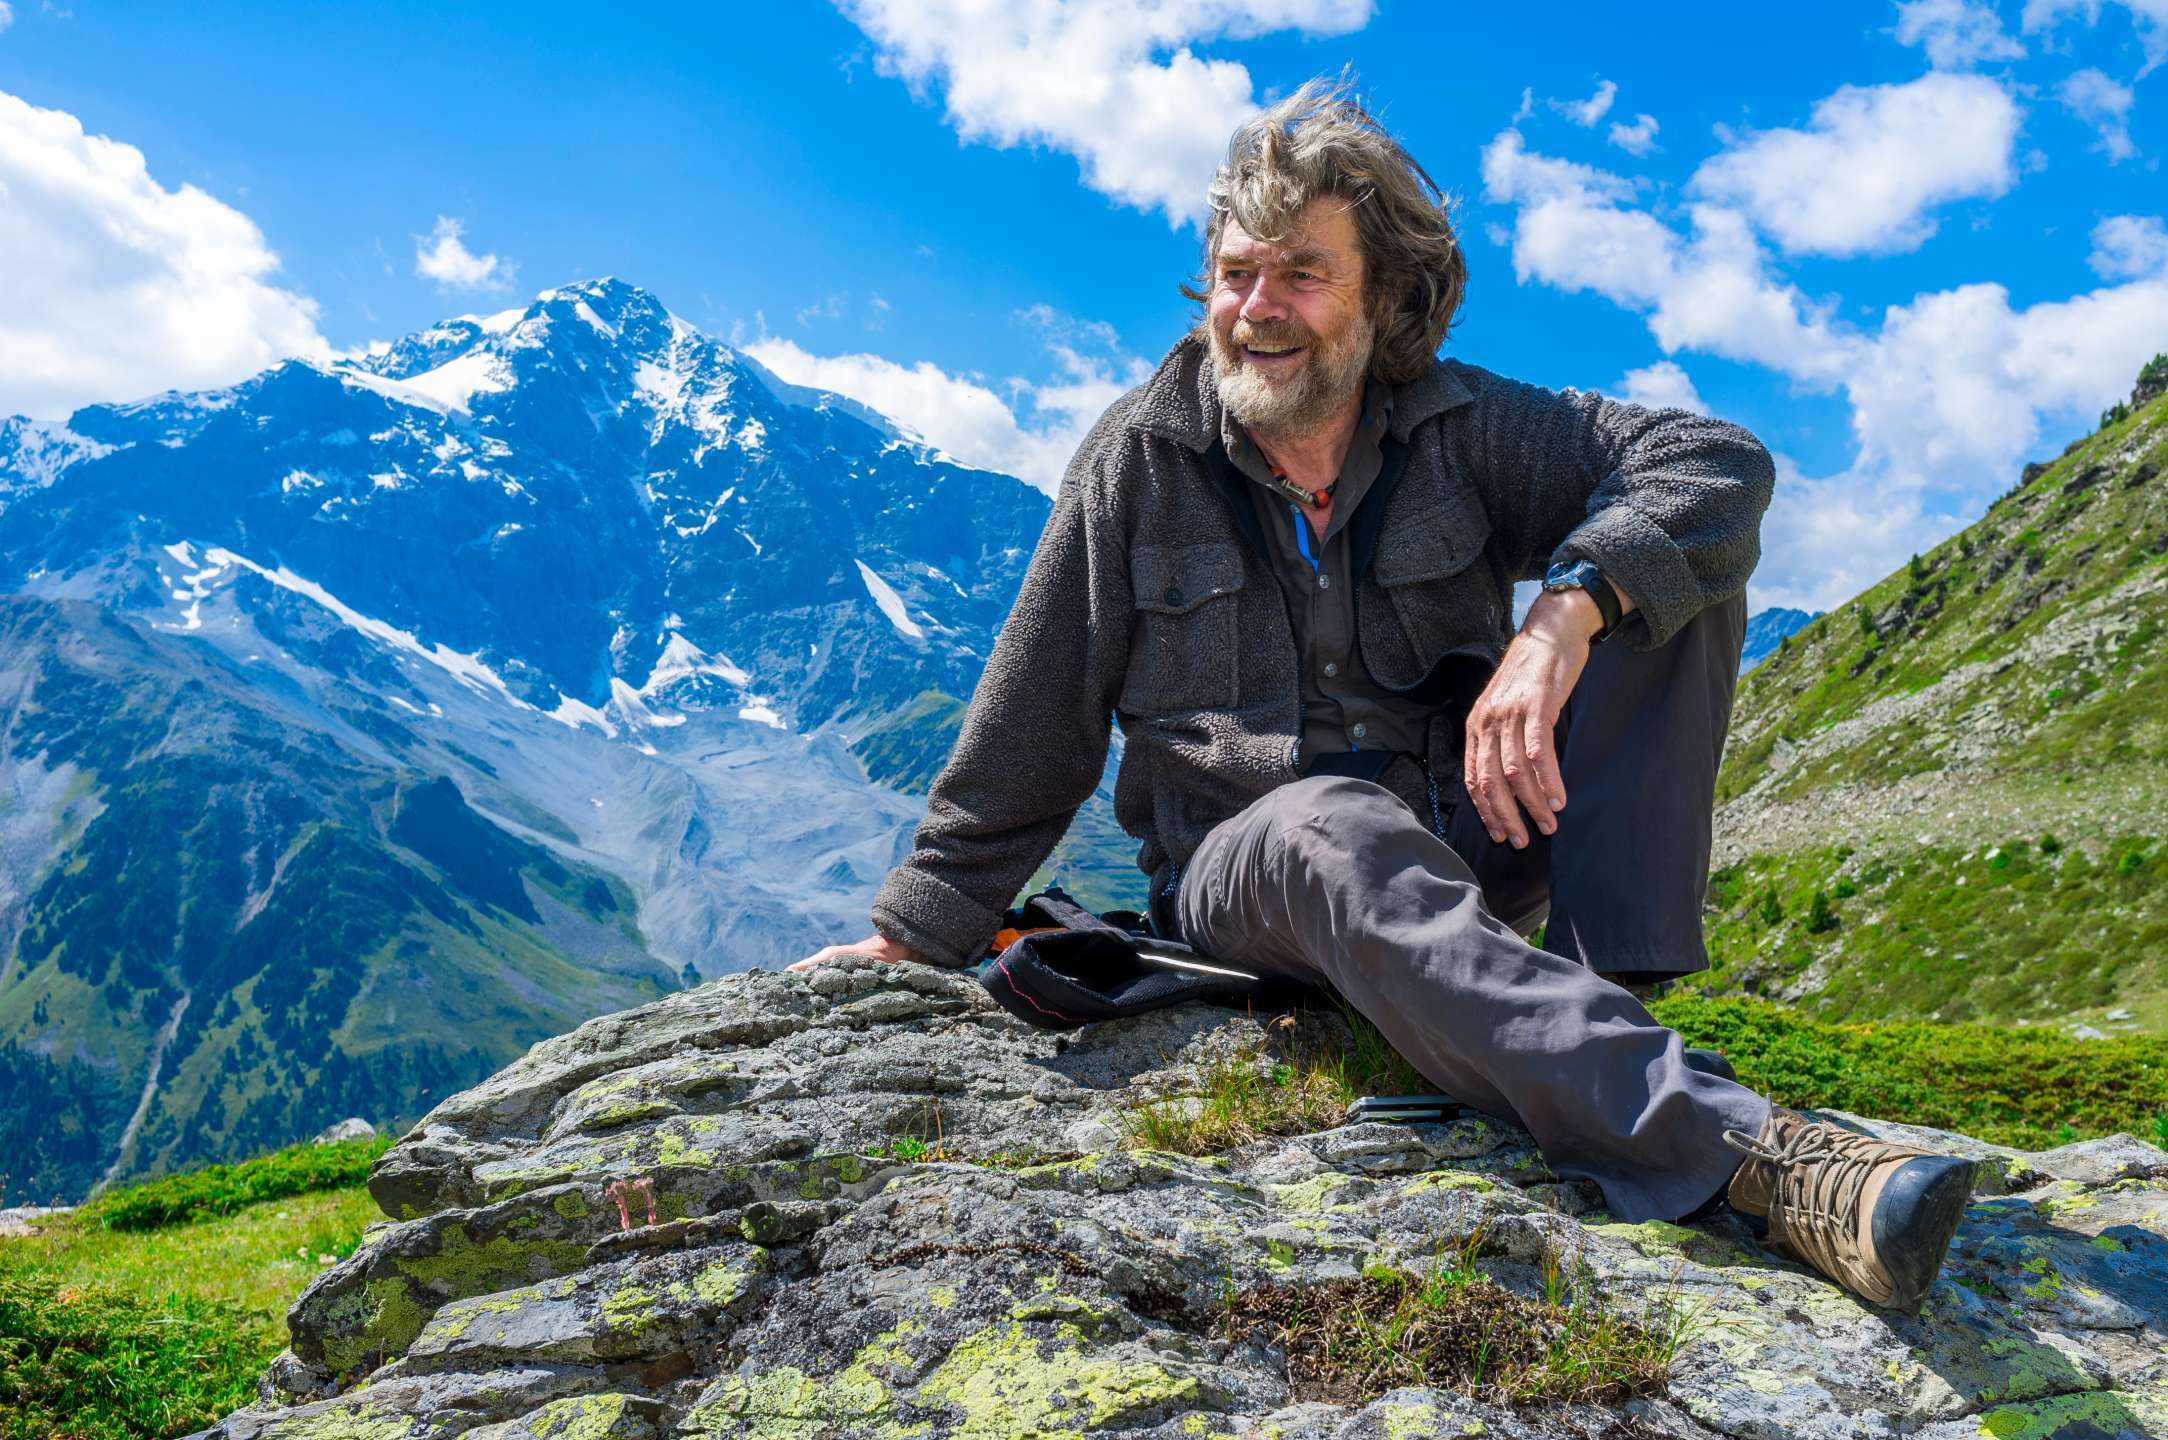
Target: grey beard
{"x": 1304, "y": 405}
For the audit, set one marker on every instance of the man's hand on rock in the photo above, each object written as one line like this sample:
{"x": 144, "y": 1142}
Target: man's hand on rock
{"x": 1511, "y": 759}
{"x": 879, "y": 947}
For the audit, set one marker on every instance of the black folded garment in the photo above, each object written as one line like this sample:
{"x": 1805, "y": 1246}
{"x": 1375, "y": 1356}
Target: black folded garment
{"x": 1093, "y": 969}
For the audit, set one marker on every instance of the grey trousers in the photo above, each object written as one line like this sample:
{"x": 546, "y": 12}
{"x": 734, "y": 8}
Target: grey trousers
{"x": 1336, "y": 881}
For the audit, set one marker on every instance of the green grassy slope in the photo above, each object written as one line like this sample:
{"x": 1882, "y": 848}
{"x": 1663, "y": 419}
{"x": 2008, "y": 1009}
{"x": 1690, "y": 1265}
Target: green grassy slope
{"x": 1905, "y": 755}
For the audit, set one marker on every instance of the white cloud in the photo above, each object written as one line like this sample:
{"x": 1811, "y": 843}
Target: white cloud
{"x": 443, "y": 257}
{"x": 1585, "y": 113}
{"x": 1638, "y": 138}
{"x": 115, "y": 287}
{"x": 1957, "y": 34}
{"x": 1872, "y": 162}
{"x": 1575, "y": 227}
{"x": 7, "y": 14}
{"x": 2104, "y": 105}
{"x": 1948, "y": 395}
{"x": 2148, "y": 17}
{"x": 1662, "y": 386}
{"x": 2126, "y": 247}
{"x": 1112, "y": 82}
{"x": 1030, "y": 435}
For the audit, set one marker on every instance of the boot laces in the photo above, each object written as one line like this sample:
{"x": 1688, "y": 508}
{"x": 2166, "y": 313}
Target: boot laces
{"x": 1821, "y": 1175}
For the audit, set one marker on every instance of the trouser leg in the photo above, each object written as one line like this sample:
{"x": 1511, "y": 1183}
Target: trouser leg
{"x": 1336, "y": 880}
{"x": 1620, "y": 886}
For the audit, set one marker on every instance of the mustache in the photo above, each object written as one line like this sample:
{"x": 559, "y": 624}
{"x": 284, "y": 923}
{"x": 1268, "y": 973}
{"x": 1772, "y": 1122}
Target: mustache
{"x": 1273, "y": 334}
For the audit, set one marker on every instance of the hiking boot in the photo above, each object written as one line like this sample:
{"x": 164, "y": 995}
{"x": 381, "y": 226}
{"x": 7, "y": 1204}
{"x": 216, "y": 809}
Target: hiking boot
{"x": 1874, "y": 1216}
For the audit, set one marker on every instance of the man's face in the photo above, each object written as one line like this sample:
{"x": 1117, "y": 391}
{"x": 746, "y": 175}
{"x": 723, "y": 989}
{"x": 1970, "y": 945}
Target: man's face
{"x": 1290, "y": 334}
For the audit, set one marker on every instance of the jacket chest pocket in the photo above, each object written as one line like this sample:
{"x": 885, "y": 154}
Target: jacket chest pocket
{"x": 1443, "y": 599}
{"x": 1182, "y": 644}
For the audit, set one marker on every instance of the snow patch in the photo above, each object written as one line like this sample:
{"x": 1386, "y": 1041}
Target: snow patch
{"x": 885, "y": 596}
{"x": 763, "y": 712}
{"x": 681, "y": 658}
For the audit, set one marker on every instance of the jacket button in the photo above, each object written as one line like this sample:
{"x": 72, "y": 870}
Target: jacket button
{"x": 1174, "y": 595}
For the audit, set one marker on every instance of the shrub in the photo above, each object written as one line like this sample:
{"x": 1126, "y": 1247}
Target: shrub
{"x": 2049, "y": 845}
{"x": 2012, "y": 1087}
{"x": 223, "y": 1189}
{"x": 2132, "y": 862}
{"x": 1821, "y": 919}
{"x": 1770, "y": 908}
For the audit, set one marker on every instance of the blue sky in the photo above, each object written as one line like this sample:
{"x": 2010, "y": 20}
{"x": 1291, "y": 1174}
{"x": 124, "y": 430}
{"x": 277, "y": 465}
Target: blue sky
{"x": 1909, "y": 245}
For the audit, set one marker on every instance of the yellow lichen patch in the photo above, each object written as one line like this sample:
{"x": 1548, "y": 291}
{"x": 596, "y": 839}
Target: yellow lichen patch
{"x": 788, "y": 1404}
{"x": 578, "y": 1417}
{"x": 629, "y": 1308}
{"x": 1308, "y": 1195}
{"x": 364, "y": 1422}
{"x": 1006, "y": 1382}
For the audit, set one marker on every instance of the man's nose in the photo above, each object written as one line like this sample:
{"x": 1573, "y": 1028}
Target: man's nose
{"x": 1265, "y": 300}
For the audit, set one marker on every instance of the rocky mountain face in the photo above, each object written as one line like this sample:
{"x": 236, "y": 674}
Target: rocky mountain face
{"x": 363, "y": 723}
{"x": 1943, "y": 799}
{"x": 706, "y": 1217}
{"x": 1767, "y": 629}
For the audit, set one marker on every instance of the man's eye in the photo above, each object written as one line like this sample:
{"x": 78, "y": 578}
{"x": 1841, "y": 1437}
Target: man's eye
{"x": 1301, "y": 275}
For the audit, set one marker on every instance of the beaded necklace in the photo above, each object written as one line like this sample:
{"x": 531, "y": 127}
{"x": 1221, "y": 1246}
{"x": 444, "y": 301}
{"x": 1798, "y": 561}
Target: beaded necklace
{"x": 1316, "y": 499}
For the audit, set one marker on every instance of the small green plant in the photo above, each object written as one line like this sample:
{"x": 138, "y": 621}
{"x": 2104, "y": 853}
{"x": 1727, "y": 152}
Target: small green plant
{"x": 2160, "y": 1129}
{"x": 1843, "y": 888}
{"x": 1770, "y": 907}
{"x": 2065, "y": 1133}
{"x": 2049, "y": 845}
{"x": 1917, "y": 570}
{"x": 2131, "y": 863}
{"x": 1821, "y": 917}
{"x": 1348, "y": 1341}
{"x": 1866, "y": 623}
{"x": 1300, "y": 1079}
{"x": 2115, "y": 414}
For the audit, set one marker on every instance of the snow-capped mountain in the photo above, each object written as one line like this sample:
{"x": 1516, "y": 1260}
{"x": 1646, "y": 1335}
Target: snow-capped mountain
{"x": 662, "y": 643}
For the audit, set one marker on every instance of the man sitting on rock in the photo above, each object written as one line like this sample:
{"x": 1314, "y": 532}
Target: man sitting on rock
{"x": 1285, "y": 563}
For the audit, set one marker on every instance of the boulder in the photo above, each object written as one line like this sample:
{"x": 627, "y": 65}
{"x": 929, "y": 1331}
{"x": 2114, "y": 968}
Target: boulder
{"x": 868, "y": 1202}
{"x": 351, "y": 1128}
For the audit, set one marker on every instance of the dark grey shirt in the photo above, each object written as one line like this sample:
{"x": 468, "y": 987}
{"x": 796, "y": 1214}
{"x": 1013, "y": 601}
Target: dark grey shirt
{"x": 1342, "y": 708}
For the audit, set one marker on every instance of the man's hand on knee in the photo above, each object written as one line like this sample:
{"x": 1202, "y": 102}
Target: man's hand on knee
{"x": 1511, "y": 760}
{"x": 879, "y": 947}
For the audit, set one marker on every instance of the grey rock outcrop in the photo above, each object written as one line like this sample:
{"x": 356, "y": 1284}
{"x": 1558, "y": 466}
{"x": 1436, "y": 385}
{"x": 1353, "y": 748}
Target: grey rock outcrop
{"x": 867, "y": 1202}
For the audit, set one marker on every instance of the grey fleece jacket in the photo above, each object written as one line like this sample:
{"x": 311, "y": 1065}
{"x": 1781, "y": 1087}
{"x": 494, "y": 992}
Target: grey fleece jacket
{"x": 1147, "y": 602}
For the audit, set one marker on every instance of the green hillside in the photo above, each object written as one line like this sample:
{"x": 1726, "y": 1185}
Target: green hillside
{"x": 1945, "y": 798}
{"x": 248, "y": 929}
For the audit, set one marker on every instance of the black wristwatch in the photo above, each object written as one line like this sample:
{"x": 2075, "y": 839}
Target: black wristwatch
{"x": 1583, "y": 575}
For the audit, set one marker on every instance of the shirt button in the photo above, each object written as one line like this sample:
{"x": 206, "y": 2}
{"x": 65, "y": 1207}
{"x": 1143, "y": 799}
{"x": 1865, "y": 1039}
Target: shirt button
{"x": 1358, "y": 730}
{"x": 1324, "y": 581}
{"x": 1174, "y": 594}
{"x": 1332, "y": 668}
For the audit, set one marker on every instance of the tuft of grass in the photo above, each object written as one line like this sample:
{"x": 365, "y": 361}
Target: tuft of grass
{"x": 1349, "y": 1341}
{"x": 224, "y": 1189}
{"x": 130, "y": 1333}
{"x": 91, "y": 1362}
{"x": 1300, "y": 1079}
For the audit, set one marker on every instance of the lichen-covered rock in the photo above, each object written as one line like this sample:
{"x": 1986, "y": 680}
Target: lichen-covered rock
{"x": 868, "y": 1202}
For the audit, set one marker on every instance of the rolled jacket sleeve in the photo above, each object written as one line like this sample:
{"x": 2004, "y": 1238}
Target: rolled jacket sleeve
{"x": 1034, "y": 738}
{"x": 1668, "y": 504}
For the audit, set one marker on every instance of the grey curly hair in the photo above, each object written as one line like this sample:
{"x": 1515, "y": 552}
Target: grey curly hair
{"x": 1321, "y": 141}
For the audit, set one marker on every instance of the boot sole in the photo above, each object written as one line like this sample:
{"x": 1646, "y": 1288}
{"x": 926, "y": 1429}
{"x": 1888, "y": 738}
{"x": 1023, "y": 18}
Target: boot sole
{"x": 1919, "y": 1212}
